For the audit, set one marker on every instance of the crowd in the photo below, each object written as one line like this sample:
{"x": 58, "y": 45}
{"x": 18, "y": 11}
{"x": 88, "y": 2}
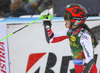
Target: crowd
{"x": 23, "y": 7}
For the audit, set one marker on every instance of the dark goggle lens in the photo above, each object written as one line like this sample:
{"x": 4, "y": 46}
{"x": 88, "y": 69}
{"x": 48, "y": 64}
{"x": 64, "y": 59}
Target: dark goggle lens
{"x": 67, "y": 16}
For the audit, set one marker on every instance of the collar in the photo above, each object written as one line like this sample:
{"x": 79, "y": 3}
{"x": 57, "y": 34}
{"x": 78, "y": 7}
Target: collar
{"x": 76, "y": 31}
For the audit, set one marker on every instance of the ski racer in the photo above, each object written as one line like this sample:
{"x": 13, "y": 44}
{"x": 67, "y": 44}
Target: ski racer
{"x": 82, "y": 41}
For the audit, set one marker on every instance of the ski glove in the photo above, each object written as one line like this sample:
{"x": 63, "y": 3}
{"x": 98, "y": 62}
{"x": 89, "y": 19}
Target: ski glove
{"x": 88, "y": 66}
{"x": 46, "y": 15}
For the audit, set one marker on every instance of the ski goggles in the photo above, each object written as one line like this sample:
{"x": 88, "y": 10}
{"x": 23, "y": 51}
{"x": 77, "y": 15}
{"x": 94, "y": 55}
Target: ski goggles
{"x": 67, "y": 16}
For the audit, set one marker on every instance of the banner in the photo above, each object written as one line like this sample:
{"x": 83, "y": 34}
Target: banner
{"x": 4, "y": 59}
{"x": 30, "y": 53}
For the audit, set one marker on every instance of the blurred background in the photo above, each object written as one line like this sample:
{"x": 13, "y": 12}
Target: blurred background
{"x": 17, "y": 8}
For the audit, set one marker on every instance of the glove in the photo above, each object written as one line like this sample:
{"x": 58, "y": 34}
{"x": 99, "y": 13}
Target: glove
{"x": 88, "y": 66}
{"x": 46, "y": 15}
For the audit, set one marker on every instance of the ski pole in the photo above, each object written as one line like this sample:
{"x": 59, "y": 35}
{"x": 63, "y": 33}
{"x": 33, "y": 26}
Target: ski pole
{"x": 20, "y": 29}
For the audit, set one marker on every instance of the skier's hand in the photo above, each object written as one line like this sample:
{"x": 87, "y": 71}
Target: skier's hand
{"x": 46, "y": 15}
{"x": 88, "y": 66}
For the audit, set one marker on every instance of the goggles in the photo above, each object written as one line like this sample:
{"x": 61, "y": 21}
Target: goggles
{"x": 67, "y": 16}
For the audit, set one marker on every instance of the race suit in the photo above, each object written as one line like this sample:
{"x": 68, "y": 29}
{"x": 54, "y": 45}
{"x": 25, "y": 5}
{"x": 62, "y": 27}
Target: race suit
{"x": 81, "y": 44}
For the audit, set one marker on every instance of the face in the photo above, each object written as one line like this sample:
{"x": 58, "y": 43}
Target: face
{"x": 68, "y": 23}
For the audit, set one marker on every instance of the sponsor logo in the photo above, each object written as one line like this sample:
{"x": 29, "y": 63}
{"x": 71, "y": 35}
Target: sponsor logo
{"x": 78, "y": 61}
{"x": 73, "y": 38}
{"x": 79, "y": 18}
{"x": 33, "y": 58}
{"x": 85, "y": 37}
{"x": 80, "y": 33}
{"x": 78, "y": 53}
{"x": 86, "y": 50}
{"x": 74, "y": 44}
{"x": 37, "y": 60}
{"x": 2, "y": 58}
{"x": 50, "y": 63}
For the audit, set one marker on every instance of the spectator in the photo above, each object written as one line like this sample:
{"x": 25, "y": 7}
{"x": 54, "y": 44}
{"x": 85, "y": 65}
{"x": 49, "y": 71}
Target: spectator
{"x": 4, "y": 7}
{"x": 17, "y": 8}
{"x": 44, "y": 4}
{"x": 30, "y": 8}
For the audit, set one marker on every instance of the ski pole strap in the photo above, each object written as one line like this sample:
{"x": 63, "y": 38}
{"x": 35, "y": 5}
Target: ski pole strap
{"x": 46, "y": 16}
{"x": 50, "y": 16}
{"x": 88, "y": 66}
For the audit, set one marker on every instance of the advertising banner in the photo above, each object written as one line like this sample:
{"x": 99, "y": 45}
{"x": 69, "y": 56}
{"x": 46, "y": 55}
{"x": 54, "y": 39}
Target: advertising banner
{"x": 4, "y": 59}
{"x": 30, "y": 53}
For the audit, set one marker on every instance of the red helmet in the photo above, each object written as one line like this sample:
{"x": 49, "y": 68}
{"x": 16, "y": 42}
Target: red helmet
{"x": 76, "y": 13}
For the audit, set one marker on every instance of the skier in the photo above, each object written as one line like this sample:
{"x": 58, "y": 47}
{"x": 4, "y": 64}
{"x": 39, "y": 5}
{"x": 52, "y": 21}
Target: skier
{"x": 82, "y": 41}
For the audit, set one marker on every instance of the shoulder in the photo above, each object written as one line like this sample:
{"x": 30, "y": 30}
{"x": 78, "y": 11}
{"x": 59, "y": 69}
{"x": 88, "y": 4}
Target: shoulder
{"x": 66, "y": 29}
{"x": 85, "y": 36}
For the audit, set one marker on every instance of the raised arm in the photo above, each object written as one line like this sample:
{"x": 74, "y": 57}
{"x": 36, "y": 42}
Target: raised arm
{"x": 50, "y": 36}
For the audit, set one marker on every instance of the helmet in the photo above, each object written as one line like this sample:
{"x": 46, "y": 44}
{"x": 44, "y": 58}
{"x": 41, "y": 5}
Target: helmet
{"x": 76, "y": 13}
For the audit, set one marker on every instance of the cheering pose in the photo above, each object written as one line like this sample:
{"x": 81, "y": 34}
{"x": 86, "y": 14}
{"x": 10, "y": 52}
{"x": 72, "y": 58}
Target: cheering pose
{"x": 82, "y": 41}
